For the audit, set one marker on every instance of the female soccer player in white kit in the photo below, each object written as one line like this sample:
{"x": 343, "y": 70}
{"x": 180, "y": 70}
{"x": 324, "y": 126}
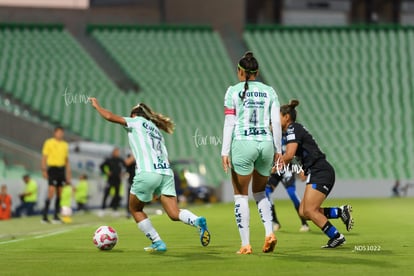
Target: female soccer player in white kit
{"x": 153, "y": 174}
{"x": 251, "y": 137}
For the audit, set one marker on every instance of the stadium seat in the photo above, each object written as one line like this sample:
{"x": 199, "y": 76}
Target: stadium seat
{"x": 41, "y": 63}
{"x": 183, "y": 73}
{"x": 354, "y": 85}
{"x": 2, "y": 168}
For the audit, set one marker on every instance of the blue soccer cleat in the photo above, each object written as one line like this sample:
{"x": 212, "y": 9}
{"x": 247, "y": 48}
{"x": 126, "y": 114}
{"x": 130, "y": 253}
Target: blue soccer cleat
{"x": 201, "y": 224}
{"x": 158, "y": 246}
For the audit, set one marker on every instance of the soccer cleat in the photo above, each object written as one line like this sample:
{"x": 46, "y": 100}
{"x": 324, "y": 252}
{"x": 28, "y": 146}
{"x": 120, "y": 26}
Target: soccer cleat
{"x": 57, "y": 221}
{"x": 45, "y": 221}
{"x": 335, "y": 242}
{"x": 66, "y": 219}
{"x": 201, "y": 224}
{"x": 158, "y": 246}
{"x": 347, "y": 217}
{"x": 276, "y": 226}
{"x": 304, "y": 228}
{"x": 270, "y": 243}
{"x": 245, "y": 250}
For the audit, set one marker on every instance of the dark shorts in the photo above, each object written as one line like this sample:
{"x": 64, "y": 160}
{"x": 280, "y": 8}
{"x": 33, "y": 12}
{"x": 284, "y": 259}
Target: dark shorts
{"x": 322, "y": 177}
{"x": 56, "y": 176}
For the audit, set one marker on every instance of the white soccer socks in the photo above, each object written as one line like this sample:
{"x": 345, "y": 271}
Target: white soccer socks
{"x": 264, "y": 207}
{"x": 146, "y": 227}
{"x": 242, "y": 213}
{"x": 187, "y": 217}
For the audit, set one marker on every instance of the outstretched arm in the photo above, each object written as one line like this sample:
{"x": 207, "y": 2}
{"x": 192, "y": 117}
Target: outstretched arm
{"x": 106, "y": 114}
{"x": 229, "y": 122}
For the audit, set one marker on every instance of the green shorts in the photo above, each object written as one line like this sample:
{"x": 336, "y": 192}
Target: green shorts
{"x": 148, "y": 184}
{"x": 248, "y": 155}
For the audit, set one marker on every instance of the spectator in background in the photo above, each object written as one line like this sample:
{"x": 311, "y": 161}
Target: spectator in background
{"x": 130, "y": 168}
{"x": 66, "y": 203}
{"x": 5, "y": 203}
{"x": 56, "y": 169}
{"x": 180, "y": 184}
{"x": 112, "y": 168}
{"x": 28, "y": 197}
{"x": 81, "y": 193}
{"x": 396, "y": 189}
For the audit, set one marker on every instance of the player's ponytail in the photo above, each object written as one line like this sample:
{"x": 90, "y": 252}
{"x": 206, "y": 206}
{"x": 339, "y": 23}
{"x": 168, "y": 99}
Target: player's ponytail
{"x": 161, "y": 121}
{"x": 250, "y": 66}
{"x": 290, "y": 109}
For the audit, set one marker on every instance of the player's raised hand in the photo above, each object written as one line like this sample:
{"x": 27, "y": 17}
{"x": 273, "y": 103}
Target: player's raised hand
{"x": 94, "y": 102}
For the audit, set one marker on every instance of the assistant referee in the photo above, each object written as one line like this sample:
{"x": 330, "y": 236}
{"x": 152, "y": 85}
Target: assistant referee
{"x": 56, "y": 169}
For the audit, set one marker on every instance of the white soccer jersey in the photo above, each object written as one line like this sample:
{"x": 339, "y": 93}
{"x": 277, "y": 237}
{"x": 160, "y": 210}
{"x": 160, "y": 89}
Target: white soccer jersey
{"x": 148, "y": 146}
{"x": 253, "y": 113}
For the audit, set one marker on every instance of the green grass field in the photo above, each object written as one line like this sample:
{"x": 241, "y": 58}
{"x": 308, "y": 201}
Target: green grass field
{"x": 381, "y": 244}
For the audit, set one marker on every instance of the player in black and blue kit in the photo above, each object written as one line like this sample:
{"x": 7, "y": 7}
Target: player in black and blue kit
{"x": 320, "y": 177}
{"x": 288, "y": 179}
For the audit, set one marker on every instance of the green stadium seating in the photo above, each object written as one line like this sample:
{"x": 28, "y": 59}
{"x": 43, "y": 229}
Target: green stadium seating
{"x": 355, "y": 85}
{"x": 41, "y": 63}
{"x": 2, "y": 168}
{"x": 182, "y": 72}
{"x": 15, "y": 172}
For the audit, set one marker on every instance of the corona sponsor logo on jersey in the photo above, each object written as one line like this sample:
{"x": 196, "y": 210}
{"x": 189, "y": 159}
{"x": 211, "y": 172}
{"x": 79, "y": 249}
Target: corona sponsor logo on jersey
{"x": 254, "y": 94}
{"x": 151, "y": 128}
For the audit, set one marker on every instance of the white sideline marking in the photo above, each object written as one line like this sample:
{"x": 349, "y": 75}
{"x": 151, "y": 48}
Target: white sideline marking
{"x": 48, "y": 234}
{"x": 37, "y": 237}
{"x": 52, "y": 234}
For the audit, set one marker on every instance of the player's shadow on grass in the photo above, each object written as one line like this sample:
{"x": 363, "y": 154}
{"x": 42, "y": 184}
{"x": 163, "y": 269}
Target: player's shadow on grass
{"x": 113, "y": 251}
{"x": 202, "y": 255}
{"x": 319, "y": 233}
{"x": 341, "y": 260}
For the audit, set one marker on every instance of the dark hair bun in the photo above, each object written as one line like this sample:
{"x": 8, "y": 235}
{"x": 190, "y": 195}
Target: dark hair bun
{"x": 248, "y": 55}
{"x": 293, "y": 103}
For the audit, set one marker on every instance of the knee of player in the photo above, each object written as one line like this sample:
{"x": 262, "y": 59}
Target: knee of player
{"x": 307, "y": 212}
{"x": 311, "y": 212}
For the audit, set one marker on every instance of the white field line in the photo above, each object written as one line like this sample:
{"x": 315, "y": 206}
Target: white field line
{"x": 47, "y": 234}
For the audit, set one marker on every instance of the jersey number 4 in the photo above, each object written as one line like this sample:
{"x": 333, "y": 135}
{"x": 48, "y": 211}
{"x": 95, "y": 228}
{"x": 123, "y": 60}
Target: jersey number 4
{"x": 253, "y": 117}
{"x": 156, "y": 145}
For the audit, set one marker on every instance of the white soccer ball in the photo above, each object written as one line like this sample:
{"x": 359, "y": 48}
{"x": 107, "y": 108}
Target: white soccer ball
{"x": 105, "y": 238}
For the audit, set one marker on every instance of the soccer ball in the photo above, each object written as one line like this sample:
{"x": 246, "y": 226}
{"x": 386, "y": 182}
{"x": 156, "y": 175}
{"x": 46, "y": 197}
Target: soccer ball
{"x": 105, "y": 238}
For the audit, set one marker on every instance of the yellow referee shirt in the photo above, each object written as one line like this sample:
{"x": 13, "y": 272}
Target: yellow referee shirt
{"x": 56, "y": 152}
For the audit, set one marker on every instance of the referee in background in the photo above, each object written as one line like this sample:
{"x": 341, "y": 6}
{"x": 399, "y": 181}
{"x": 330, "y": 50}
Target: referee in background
{"x": 56, "y": 169}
